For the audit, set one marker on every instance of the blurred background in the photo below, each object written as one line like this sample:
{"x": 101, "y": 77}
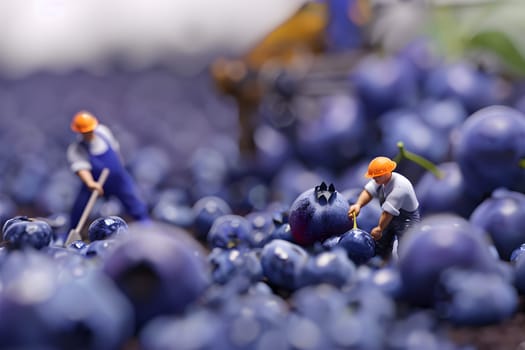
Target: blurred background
{"x": 253, "y": 101}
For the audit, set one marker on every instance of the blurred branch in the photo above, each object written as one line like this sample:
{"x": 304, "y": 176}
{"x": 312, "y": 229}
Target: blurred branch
{"x": 481, "y": 27}
{"x": 501, "y": 45}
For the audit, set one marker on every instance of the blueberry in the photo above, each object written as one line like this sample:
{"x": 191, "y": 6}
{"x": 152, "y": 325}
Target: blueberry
{"x": 205, "y": 211}
{"x": 434, "y": 245}
{"x": 358, "y": 245}
{"x": 22, "y": 232}
{"x": 317, "y": 214}
{"x": 282, "y": 263}
{"x": 332, "y": 267}
{"x": 105, "y": 227}
{"x": 160, "y": 269}
{"x": 502, "y": 216}
{"x": 231, "y": 231}
{"x": 488, "y": 148}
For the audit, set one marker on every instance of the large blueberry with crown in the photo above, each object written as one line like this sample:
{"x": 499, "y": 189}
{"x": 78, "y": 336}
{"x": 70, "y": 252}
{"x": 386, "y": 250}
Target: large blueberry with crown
{"x": 317, "y": 214}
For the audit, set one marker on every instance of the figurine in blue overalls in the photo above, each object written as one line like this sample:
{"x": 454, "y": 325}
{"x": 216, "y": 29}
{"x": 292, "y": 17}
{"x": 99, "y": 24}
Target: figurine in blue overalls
{"x": 398, "y": 202}
{"x": 96, "y": 149}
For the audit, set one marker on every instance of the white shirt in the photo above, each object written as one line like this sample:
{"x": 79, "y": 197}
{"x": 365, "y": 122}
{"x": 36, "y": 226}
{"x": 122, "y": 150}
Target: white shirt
{"x": 398, "y": 193}
{"x": 77, "y": 155}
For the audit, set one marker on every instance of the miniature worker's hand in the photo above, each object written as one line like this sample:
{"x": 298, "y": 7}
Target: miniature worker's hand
{"x": 95, "y": 186}
{"x": 376, "y": 233}
{"x": 354, "y": 209}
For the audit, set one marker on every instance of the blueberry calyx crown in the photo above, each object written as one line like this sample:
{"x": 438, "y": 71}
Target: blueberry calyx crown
{"x": 325, "y": 194}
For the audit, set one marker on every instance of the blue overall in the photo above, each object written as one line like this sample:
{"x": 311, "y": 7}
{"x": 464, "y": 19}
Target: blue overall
{"x": 396, "y": 228}
{"x": 119, "y": 184}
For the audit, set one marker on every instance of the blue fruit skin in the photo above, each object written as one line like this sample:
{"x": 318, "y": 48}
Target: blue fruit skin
{"x": 338, "y": 135}
{"x": 384, "y": 83}
{"x": 282, "y": 263}
{"x": 516, "y": 253}
{"x": 263, "y": 225}
{"x": 332, "y": 267}
{"x": 231, "y": 231}
{"x": 488, "y": 149}
{"x": 444, "y": 115}
{"x": 406, "y": 125}
{"x": 502, "y": 216}
{"x": 43, "y": 310}
{"x": 434, "y": 245}
{"x": 100, "y": 248}
{"x": 446, "y": 194}
{"x": 462, "y": 81}
{"x": 14, "y": 220}
{"x": 314, "y": 219}
{"x": 476, "y": 299}
{"x": 77, "y": 245}
{"x": 160, "y": 271}
{"x": 23, "y": 232}
{"x": 519, "y": 273}
{"x": 232, "y": 263}
{"x": 283, "y": 231}
{"x": 358, "y": 244}
{"x": 105, "y": 227}
{"x": 205, "y": 211}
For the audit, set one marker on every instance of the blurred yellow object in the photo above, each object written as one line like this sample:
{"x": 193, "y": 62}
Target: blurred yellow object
{"x": 301, "y": 36}
{"x": 302, "y": 33}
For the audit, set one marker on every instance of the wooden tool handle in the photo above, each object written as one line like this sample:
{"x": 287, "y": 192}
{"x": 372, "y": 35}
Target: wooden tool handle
{"x": 74, "y": 234}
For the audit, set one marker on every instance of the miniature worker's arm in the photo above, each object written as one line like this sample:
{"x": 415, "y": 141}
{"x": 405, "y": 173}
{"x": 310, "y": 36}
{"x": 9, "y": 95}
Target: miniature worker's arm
{"x": 79, "y": 163}
{"x": 87, "y": 178}
{"x": 364, "y": 198}
{"x": 384, "y": 220}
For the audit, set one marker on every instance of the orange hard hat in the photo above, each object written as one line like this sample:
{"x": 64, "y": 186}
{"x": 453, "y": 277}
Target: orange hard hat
{"x": 84, "y": 122}
{"x": 380, "y": 166}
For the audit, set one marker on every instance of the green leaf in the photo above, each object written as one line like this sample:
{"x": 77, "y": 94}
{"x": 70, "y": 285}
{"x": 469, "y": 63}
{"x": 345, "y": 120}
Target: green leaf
{"x": 500, "y": 44}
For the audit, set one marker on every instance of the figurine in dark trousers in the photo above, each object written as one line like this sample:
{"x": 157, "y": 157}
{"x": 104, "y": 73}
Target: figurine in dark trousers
{"x": 400, "y": 207}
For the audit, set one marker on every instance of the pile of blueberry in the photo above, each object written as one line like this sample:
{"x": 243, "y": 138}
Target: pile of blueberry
{"x": 257, "y": 251}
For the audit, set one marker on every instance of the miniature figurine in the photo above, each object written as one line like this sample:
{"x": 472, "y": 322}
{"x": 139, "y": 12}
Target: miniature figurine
{"x": 398, "y": 202}
{"x": 96, "y": 149}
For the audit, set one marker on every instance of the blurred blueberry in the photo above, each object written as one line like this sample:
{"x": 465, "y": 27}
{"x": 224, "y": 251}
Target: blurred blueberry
{"x": 23, "y": 232}
{"x": 199, "y": 330}
{"x": 384, "y": 83}
{"x": 332, "y": 267}
{"x": 227, "y": 264}
{"x": 475, "y": 299}
{"x": 339, "y": 134}
{"x": 161, "y": 270}
{"x": 99, "y": 248}
{"x": 263, "y": 224}
{"x": 231, "y": 231}
{"x": 205, "y": 211}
